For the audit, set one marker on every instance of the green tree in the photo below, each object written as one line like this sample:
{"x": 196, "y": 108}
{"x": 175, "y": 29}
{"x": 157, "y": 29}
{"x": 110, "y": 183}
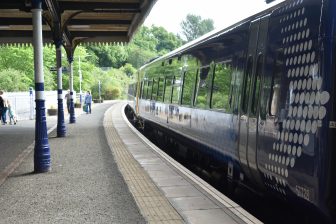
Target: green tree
{"x": 113, "y": 84}
{"x": 111, "y": 92}
{"x": 166, "y": 41}
{"x": 109, "y": 55}
{"x": 139, "y": 56}
{"x": 49, "y": 61}
{"x": 128, "y": 69}
{"x": 221, "y": 87}
{"x": 145, "y": 39}
{"x": 14, "y": 80}
{"x": 20, "y": 60}
{"x": 194, "y": 26}
{"x": 142, "y": 47}
{"x": 87, "y": 67}
{"x": 119, "y": 79}
{"x": 17, "y": 63}
{"x": 149, "y": 43}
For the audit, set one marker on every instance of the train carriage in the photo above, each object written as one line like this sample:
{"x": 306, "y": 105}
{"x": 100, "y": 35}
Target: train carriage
{"x": 257, "y": 98}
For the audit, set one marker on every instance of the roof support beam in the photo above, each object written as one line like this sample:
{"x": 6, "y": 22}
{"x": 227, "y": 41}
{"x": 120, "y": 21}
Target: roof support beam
{"x": 97, "y": 22}
{"x": 24, "y": 33}
{"x": 17, "y": 21}
{"x": 15, "y": 4}
{"x": 98, "y": 33}
{"x": 54, "y": 10}
{"x": 90, "y": 6}
{"x": 73, "y": 21}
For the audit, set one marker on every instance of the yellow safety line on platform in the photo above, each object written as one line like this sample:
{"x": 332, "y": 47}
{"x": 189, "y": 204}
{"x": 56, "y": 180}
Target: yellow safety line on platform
{"x": 153, "y": 205}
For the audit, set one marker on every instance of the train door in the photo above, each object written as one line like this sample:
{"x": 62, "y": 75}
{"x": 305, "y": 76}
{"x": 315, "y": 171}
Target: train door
{"x": 250, "y": 97}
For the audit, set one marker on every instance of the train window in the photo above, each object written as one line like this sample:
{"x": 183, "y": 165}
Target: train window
{"x": 265, "y": 98}
{"x": 221, "y": 87}
{"x": 189, "y": 81}
{"x": 155, "y": 89}
{"x": 135, "y": 89}
{"x": 236, "y": 84}
{"x": 160, "y": 91}
{"x": 130, "y": 89}
{"x": 176, "y": 89}
{"x": 247, "y": 85}
{"x": 274, "y": 99}
{"x": 144, "y": 89}
{"x": 256, "y": 89}
{"x": 150, "y": 89}
{"x": 141, "y": 90}
{"x": 168, "y": 90}
{"x": 203, "y": 87}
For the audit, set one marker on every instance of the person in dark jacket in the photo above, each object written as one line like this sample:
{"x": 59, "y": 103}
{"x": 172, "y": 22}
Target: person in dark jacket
{"x": 88, "y": 101}
{"x": 1, "y": 104}
{"x": 3, "y": 107}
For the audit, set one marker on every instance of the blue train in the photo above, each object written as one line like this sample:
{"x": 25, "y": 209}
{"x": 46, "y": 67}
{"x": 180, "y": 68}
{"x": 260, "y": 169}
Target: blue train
{"x": 257, "y": 99}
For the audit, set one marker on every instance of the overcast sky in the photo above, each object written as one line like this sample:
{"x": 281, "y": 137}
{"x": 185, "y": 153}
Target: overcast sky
{"x": 170, "y": 13}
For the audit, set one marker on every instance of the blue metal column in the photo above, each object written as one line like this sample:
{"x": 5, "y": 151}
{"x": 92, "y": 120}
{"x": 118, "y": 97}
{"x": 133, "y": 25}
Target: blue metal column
{"x": 61, "y": 130}
{"x": 41, "y": 150}
{"x": 72, "y": 106}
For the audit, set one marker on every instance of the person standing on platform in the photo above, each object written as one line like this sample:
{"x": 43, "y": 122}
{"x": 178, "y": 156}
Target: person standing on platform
{"x": 88, "y": 101}
{"x": 4, "y": 107}
{"x": 68, "y": 100}
{"x": 11, "y": 113}
{"x": 1, "y": 104}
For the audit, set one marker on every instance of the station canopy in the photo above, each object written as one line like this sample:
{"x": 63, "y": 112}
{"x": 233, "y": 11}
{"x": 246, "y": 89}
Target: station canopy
{"x": 73, "y": 21}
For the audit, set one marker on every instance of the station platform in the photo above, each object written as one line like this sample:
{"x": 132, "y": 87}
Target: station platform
{"x": 105, "y": 171}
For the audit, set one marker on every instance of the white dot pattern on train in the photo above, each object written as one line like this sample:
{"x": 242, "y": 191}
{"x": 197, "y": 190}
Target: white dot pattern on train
{"x": 307, "y": 99}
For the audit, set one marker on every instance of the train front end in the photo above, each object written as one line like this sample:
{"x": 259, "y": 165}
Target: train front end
{"x": 328, "y": 132}
{"x": 301, "y": 162}
{"x": 313, "y": 109}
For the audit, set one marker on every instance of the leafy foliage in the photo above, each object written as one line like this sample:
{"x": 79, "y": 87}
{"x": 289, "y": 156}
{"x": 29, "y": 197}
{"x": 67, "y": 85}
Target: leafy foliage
{"x": 14, "y": 80}
{"x": 128, "y": 69}
{"x": 111, "y": 92}
{"x": 17, "y": 68}
{"x": 221, "y": 88}
{"x": 149, "y": 43}
{"x": 166, "y": 41}
{"x": 138, "y": 56}
{"x": 194, "y": 26}
{"x": 109, "y": 56}
{"x": 113, "y": 84}
{"x": 111, "y": 65}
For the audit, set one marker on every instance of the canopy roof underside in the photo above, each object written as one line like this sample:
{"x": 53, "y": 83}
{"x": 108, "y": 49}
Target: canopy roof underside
{"x": 73, "y": 21}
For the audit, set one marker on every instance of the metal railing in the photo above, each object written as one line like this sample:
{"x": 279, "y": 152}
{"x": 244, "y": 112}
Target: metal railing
{"x": 23, "y": 103}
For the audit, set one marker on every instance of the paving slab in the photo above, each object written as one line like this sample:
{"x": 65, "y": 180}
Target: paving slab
{"x": 84, "y": 185}
{"x": 191, "y": 197}
{"x": 104, "y": 171}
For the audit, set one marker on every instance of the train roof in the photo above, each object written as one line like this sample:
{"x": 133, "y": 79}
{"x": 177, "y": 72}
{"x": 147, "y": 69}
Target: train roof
{"x": 213, "y": 34}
